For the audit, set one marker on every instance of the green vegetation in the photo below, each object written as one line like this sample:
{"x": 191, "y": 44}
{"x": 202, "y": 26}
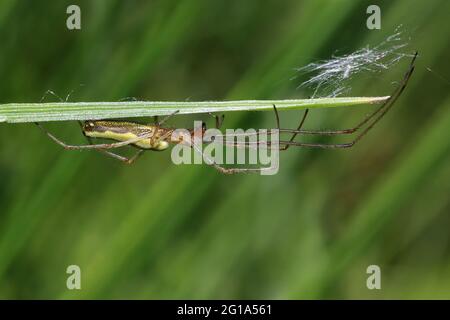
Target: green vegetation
{"x": 156, "y": 230}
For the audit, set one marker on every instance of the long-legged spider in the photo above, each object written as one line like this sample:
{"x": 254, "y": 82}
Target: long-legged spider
{"x": 157, "y": 138}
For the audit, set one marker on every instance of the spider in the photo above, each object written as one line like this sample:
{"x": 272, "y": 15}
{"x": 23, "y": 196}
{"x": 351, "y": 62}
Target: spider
{"x": 156, "y": 137}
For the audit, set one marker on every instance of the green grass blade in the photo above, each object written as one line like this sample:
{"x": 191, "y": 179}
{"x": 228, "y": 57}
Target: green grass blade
{"x": 40, "y": 112}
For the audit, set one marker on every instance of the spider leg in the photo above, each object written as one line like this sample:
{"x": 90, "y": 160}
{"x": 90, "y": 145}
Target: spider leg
{"x": 51, "y": 92}
{"x": 384, "y": 109}
{"x": 219, "y": 119}
{"x": 159, "y": 123}
{"x": 47, "y": 93}
{"x": 286, "y": 146}
{"x": 229, "y": 171}
{"x": 305, "y": 114}
{"x": 122, "y": 158}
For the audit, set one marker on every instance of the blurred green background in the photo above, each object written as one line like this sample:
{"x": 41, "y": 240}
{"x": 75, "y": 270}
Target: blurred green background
{"x": 156, "y": 230}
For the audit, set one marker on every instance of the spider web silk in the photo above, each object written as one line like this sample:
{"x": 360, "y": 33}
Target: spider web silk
{"x": 330, "y": 78}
